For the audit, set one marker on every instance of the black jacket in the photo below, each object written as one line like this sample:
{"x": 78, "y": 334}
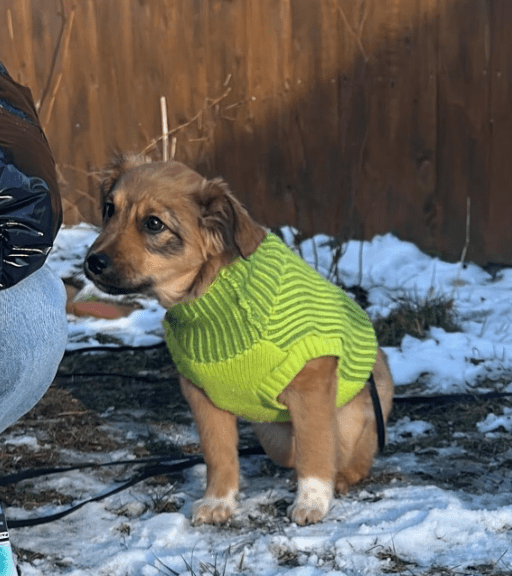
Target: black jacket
{"x": 30, "y": 204}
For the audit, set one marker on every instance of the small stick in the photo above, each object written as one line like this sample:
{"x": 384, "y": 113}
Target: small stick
{"x": 360, "y": 279}
{"x": 9, "y": 24}
{"x": 94, "y": 173}
{"x": 208, "y": 104}
{"x": 468, "y": 226}
{"x": 165, "y": 129}
{"x": 45, "y": 108}
{"x": 466, "y": 242}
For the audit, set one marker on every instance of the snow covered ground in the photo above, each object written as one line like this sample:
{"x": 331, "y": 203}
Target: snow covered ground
{"x": 381, "y": 527}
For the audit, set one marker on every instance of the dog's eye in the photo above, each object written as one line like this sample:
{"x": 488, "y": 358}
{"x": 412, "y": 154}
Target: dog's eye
{"x": 108, "y": 210}
{"x": 154, "y": 225}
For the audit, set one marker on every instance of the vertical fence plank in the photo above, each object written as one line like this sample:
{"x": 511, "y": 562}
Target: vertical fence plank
{"x": 248, "y": 123}
{"x": 399, "y": 147}
{"x": 497, "y": 243}
{"x": 463, "y": 129}
{"x": 24, "y": 42}
{"x": 265, "y": 125}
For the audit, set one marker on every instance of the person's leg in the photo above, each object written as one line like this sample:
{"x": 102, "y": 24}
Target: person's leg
{"x": 33, "y": 336}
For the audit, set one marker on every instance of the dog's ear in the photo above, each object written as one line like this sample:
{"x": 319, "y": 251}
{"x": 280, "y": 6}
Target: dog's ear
{"x": 118, "y": 165}
{"x": 225, "y": 220}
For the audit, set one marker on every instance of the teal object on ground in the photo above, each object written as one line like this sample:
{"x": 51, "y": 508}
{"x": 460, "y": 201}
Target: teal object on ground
{"x": 7, "y": 567}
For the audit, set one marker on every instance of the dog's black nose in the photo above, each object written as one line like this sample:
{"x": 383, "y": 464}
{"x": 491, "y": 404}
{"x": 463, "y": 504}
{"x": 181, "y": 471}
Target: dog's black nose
{"x": 96, "y": 263}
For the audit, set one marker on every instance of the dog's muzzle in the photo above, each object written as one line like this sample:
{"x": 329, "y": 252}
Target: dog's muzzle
{"x": 99, "y": 268}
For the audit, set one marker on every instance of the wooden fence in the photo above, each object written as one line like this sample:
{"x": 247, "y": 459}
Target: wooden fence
{"x": 350, "y": 117}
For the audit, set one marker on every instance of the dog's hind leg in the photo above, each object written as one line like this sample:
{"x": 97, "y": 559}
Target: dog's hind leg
{"x": 219, "y": 438}
{"x": 278, "y": 441}
{"x": 357, "y": 441}
{"x": 356, "y": 444}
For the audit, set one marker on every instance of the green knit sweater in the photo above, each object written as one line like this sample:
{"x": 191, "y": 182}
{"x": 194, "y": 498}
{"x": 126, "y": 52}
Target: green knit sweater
{"x": 246, "y": 338}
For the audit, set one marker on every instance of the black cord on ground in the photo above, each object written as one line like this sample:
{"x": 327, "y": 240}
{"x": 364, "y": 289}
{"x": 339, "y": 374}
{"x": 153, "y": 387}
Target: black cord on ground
{"x": 443, "y": 399}
{"x": 113, "y": 348}
{"x": 158, "y": 465}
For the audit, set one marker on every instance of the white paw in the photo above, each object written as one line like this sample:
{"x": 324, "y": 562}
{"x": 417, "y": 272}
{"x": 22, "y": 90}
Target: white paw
{"x": 312, "y": 501}
{"x": 211, "y": 510}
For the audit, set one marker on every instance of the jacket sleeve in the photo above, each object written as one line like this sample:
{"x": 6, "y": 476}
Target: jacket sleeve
{"x": 30, "y": 204}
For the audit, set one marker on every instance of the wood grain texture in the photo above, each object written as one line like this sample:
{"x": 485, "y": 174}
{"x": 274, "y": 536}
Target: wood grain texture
{"x": 349, "y": 117}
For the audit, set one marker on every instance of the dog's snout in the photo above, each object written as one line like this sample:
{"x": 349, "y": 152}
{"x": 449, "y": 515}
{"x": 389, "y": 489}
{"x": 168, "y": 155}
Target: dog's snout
{"x": 97, "y": 262}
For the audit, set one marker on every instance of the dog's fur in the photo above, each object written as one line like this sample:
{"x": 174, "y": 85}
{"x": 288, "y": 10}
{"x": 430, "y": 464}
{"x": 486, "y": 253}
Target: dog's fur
{"x": 167, "y": 232}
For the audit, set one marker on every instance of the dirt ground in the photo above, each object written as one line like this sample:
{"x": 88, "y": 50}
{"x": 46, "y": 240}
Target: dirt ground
{"x": 126, "y": 401}
{"x": 130, "y": 399}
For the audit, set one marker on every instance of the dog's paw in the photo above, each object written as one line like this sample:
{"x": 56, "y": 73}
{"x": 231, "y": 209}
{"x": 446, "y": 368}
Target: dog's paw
{"x": 211, "y": 510}
{"x": 312, "y": 501}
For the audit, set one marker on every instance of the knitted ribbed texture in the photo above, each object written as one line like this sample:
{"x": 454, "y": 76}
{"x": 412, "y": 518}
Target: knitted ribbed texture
{"x": 246, "y": 338}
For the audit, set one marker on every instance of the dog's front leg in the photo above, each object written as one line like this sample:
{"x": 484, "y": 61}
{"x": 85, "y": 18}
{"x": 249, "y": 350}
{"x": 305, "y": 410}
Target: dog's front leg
{"x": 219, "y": 438}
{"x": 311, "y": 401}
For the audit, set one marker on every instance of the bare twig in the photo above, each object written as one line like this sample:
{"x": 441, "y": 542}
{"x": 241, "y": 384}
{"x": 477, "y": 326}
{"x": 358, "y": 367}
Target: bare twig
{"x": 468, "y": 229}
{"x": 60, "y": 176}
{"x": 209, "y": 103}
{"x": 9, "y": 25}
{"x": 54, "y": 79}
{"x": 466, "y": 242}
{"x": 165, "y": 129}
{"x": 357, "y": 37}
{"x": 360, "y": 28}
{"x": 94, "y": 173}
{"x": 360, "y": 275}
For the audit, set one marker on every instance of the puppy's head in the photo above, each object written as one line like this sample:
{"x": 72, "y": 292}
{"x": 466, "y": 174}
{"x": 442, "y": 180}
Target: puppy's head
{"x": 166, "y": 230}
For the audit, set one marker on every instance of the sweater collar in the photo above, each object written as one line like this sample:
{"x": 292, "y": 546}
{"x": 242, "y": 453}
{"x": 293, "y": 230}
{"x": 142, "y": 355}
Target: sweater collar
{"x": 236, "y": 285}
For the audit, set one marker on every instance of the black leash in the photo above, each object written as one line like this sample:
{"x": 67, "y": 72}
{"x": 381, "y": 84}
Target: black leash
{"x": 156, "y": 466}
{"x": 379, "y": 418}
{"x": 38, "y": 472}
{"x": 147, "y": 472}
{"x": 163, "y": 465}
{"x": 443, "y": 399}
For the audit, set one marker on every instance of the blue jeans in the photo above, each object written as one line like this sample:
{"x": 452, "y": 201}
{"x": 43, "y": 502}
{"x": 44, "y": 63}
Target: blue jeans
{"x": 33, "y": 336}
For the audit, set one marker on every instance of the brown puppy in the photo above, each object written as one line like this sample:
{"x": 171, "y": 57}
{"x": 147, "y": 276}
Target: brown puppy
{"x": 167, "y": 233}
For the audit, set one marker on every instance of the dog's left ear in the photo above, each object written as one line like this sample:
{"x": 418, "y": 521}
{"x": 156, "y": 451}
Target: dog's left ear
{"x": 226, "y": 221}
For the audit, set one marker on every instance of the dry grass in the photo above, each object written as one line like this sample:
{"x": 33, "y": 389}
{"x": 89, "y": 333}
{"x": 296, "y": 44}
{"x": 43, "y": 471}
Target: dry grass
{"x": 415, "y": 318}
{"x": 58, "y": 422}
{"x": 394, "y": 564}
